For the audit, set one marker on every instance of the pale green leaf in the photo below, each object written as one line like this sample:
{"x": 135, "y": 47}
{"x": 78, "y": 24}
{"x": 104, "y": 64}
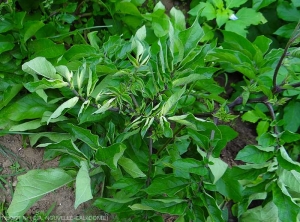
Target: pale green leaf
{"x": 172, "y": 101}
{"x": 268, "y": 213}
{"x": 130, "y": 167}
{"x": 83, "y": 185}
{"x": 42, "y": 67}
{"x": 290, "y": 179}
{"x": 66, "y": 105}
{"x": 33, "y": 185}
{"x": 30, "y": 125}
{"x": 287, "y": 209}
{"x": 44, "y": 84}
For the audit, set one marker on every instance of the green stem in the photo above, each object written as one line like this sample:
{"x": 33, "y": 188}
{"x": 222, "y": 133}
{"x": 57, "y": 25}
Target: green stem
{"x": 170, "y": 140}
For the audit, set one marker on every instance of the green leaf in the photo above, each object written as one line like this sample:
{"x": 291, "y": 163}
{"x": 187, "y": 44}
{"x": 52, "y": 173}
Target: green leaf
{"x": 114, "y": 205}
{"x": 6, "y": 43}
{"x": 85, "y": 136}
{"x": 53, "y": 136}
{"x": 258, "y": 4}
{"x": 222, "y": 17}
{"x": 41, "y": 67}
{"x": 168, "y": 206}
{"x": 290, "y": 116}
{"x": 30, "y": 106}
{"x": 166, "y": 184}
{"x": 288, "y": 12}
{"x": 172, "y": 101}
{"x": 205, "y": 9}
{"x": 9, "y": 94}
{"x": 111, "y": 155}
{"x": 184, "y": 167}
{"x": 177, "y": 19}
{"x": 83, "y": 185}
{"x": 264, "y": 214}
{"x": 227, "y": 132}
{"x": 248, "y": 172}
{"x": 46, "y": 48}
{"x": 290, "y": 178}
{"x": 33, "y": 185}
{"x": 213, "y": 209}
{"x": 44, "y": 84}
{"x": 287, "y": 209}
{"x": 289, "y": 137}
{"x": 191, "y": 37}
{"x": 79, "y": 52}
{"x": 94, "y": 39}
{"x": 130, "y": 167}
{"x": 66, "y": 105}
{"x": 30, "y": 125}
{"x": 263, "y": 43}
{"x": 237, "y": 42}
{"x": 217, "y": 166}
{"x": 262, "y": 127}
{"x": 191, "y": 79}
{"x": 285, "y": 161}
{"x": 228, "y": 187}
{"x": 286, "y": 31}
{"x": 30, "y": 28}
{"x": 254, "y": 154}
{"x": 246, "y": 17}
{"x": 234, "y": 3}
{"x": 68, "y": 147}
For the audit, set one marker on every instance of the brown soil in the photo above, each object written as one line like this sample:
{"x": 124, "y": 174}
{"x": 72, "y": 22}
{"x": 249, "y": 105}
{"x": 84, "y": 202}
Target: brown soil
{"x": 12, "y": 152}
{"x": 246, "y": 136}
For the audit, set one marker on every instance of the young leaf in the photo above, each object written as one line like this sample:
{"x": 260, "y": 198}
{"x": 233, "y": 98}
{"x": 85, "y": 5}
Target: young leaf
{"x": 66, "y": 105}
{"x": 42, "y": 67}
{"x": 190, "y": 37}
{"x": 172, "y": 101}
{"x": 33, "y": 185}
{"x": 83, "y": 185}
{"x": 130, "y": 167}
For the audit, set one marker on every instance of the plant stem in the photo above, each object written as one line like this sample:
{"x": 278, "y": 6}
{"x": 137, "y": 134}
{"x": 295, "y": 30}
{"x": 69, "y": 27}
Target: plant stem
{"x": 170, "y": 140}
{"x": 150, "y": 159}
{"x": 288, "y": 45}
{"x": 276, "y": 131}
